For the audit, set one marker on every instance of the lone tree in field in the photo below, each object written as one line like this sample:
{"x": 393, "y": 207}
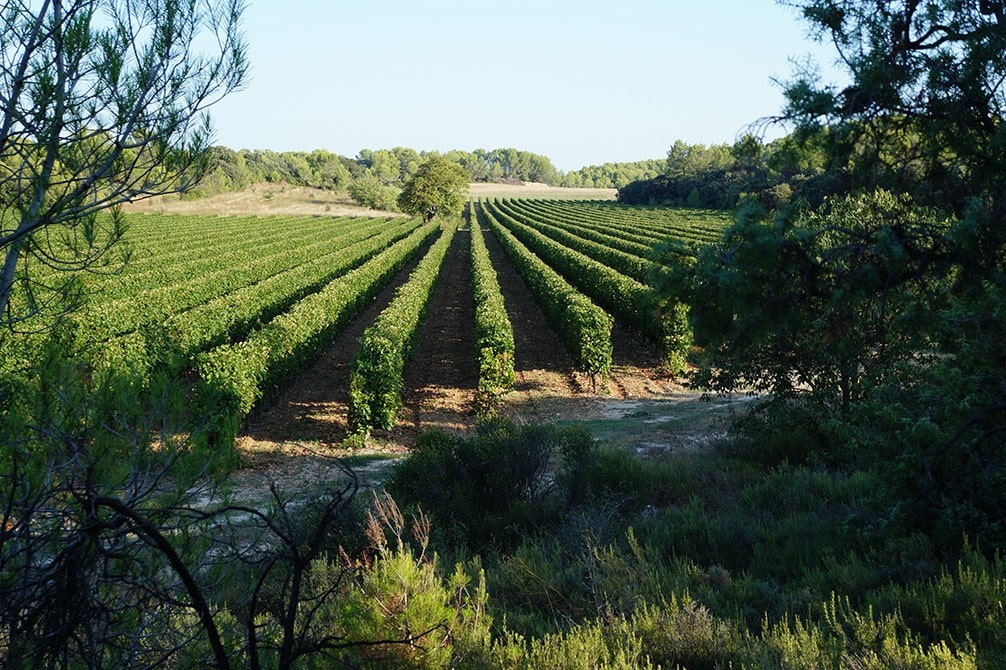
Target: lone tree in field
{"x": 438, "y": 189}
{"x": 101, "y": 102}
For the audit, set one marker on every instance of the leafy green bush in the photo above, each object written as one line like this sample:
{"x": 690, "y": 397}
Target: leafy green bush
{"x": 965, "y": 602}
{"x": 371, "y": 192}
{"x": 402, "y": 597}
{"x": 495, "y": 488}
{"x": 588, "y": 645}
{"x": 826, "y": 303}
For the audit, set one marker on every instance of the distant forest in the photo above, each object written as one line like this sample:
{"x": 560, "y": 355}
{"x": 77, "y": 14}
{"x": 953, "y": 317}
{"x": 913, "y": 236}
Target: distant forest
{"x": 374, "y": 177}
{"x": 717, "y": 176}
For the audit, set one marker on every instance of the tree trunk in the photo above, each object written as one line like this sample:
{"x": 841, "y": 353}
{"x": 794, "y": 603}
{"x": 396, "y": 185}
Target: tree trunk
{"x": 7, "y": 274}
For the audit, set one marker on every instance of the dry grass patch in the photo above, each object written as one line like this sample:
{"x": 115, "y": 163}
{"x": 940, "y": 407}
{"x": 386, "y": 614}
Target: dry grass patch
{"x": 542, "y": 191}
{"x": 284, "y": 199}
{"x": 261, "y": 200}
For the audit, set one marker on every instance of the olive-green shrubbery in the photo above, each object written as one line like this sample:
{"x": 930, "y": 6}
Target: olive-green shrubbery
{"x": 597, "y": 558}
{"x": 495, "y": 488}
{"x": 526, "y": 546}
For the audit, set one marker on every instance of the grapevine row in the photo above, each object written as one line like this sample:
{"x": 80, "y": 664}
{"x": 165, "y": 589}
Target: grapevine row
{"x": 590, "y": 221}
{"x": 375, "y": 383}
{"x": 698, "y": 226}
{"x": 627, "y": 299}
{"x": 228, "y": 317}
{"x": 166, "y": 267}
{"x": 662, "y": 321}
{"x": 157, "y": 244}
{"x": 116, "y": 317}
{"x": 494, "y": 343}
{"x": 634, "y": 242}
{"x": 634, "y": 265}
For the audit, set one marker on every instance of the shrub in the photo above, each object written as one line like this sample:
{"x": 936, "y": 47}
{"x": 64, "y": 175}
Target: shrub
{"x": 495, "y": 488}
{"x": 369, "y": 191}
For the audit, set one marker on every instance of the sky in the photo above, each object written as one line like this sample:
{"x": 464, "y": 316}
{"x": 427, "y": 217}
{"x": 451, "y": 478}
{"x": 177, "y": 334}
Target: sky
{"x": 583, "y": 82}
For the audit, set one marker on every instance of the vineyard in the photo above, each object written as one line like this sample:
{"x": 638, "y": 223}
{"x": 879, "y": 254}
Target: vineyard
{"x": 237, "y": 307}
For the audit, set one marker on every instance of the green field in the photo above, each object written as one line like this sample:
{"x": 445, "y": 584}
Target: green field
{"x": 241, "y": 304}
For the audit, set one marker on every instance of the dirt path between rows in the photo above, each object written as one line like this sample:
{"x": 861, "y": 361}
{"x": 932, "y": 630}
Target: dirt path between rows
{"x": 440, "y": 377}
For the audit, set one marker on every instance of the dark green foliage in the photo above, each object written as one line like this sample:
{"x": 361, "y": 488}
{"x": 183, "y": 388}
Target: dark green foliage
{"x": 369, "y": 191}
{"x": 613, "y": 175}
{"x": 76, "y": 446}
{"x": 791, "y": 430}
{"x": 923, "y": 108}
{"x": 481, "y": 491}
{"x": 885, "y": 305}
{"x": 829, "y": 303}
{"x": 498, "y": 487}
{"x": 714, "y": 177}
{"x": 742, "y": 565}
{"x": 937, "y": 439}
{"x": 964, "y": 601}
{"x": 374, "y": 177}
{"x": 438, "y": 188}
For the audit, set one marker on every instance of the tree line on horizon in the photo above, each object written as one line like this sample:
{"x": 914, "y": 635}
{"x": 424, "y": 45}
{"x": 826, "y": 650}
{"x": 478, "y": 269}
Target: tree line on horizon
{"x": 715, "y": 176}
{"x": 375, "y": 177}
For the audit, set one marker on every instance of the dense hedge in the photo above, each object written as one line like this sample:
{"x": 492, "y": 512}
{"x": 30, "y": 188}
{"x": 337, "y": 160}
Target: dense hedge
{"x": 375, "y": 383}
{"x": 585, "y": 327}
{"x": 493, "y": 332}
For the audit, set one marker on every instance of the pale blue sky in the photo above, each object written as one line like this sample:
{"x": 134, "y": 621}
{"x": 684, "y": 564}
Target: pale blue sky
{"x": 583, "y": 82}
